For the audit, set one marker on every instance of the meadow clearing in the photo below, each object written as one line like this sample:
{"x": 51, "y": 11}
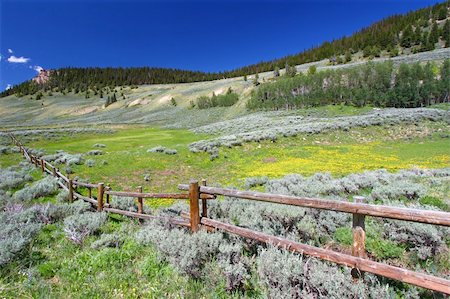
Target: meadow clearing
{"x": 390, "y": 163}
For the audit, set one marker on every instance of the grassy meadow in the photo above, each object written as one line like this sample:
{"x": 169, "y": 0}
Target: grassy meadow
{"x": 53, "y": 267}
{"x": 338, "y": 152}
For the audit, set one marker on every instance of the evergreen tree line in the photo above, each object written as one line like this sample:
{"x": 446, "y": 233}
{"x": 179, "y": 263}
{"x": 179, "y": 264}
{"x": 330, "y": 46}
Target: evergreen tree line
{"x": 418, "y": 30}
{"x": 224, "y": 100}
{"x": 376, "y": 84}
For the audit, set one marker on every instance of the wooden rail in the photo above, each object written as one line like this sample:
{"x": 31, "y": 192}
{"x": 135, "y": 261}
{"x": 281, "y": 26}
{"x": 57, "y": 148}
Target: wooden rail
{"x": 415, "y": 278}
{"x": 424, "y": 216}
{"x": 86, "y": 185}
{"x": 196, "y": 219}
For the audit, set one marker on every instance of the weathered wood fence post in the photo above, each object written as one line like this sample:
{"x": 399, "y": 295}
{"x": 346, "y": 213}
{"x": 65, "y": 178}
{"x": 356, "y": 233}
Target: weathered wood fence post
{"x": 89, "y": 192}
{"x": 204, "y": 204}
{"x": 70, "y": 185}
{"x": 359, "y": 237}
{"x": 194, "y": 205}
{"x": 101, "y": 190}
{"x": 43, "y": 165}
{"x": 140, "y": 201}
{"x": 108, "y": 188}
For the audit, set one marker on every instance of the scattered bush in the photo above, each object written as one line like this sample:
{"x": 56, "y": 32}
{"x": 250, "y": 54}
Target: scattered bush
{"x": 255, "y": 181}
{"x": 62, "y": 211}
{"x": 157, "y": 149}
{"x": 124, "y": 203}
{"x": 99, "y": 145}
{"x": 260, "y": 126}
{"x": 287, "y": 275}
{"x": 62, "y": 157}
{"x": 188, "y": 252}
{"x": 90, "y": 163}
{"x": 18, "y": 227}
{"x": 170, "y": 151}
{"x": 94, "y": 153}
{"x": 397, "y": 190}
{"x": 4, "y": 150}
{"x": 63, "y": 196}
{"x": 44, "y": 187}
{"x": 162, "y": 149}
{"x": 78, "y": 227}
{"x": 14, "y": 177}
{"x": 108, "y": 240}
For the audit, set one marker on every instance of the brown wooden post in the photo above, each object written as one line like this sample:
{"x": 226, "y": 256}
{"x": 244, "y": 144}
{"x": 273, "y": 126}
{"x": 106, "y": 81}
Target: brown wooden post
{"x": 54, "y": 172}
{"x": 193, "y": 205}
{"x": 43, "y": 165}
{"x": 70, "y": 185}
{"x": 107, "y": 195}
{"x": 101, "y": 190}
{"x": 140, "y": 201}
{"x": 204, "y": 204}
{"x": 359, "y": 238}
{"x": 89, "y": 192}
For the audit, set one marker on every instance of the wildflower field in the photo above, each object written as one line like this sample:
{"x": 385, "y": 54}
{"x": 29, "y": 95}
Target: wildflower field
{"x": 67, "y": 250}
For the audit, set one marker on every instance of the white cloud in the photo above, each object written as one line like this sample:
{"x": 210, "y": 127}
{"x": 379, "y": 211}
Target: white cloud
{"x": 21, "y": 59}
{"x": 9, "y": 86}
{"x": 38, "y": 68}
{"x": 1, "y": 57}
{"x": 10, "y": 51}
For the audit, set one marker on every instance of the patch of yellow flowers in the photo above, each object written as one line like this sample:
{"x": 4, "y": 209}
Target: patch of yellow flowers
{"x": 342, "y": 160}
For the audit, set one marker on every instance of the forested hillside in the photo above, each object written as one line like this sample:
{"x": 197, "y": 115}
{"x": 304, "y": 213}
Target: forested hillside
{"x": 375, "y": 84}
{"x": 417, "y": 31}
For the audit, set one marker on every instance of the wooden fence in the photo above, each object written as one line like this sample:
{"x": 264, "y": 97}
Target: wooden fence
{"x": 197, "y": 219}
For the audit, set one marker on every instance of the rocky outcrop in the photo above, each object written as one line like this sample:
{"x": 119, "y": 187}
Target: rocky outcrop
{"x": 42, "y": 77}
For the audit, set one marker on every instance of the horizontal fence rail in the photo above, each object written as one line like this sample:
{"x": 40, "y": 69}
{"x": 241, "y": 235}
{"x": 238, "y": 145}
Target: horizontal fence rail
{"x": 156, "y": 195}
{"x": 416, "y": 278}
{"x": 196, "y": 219}
{"x": 423, "y": 216}
{"x": 86, "y": 185}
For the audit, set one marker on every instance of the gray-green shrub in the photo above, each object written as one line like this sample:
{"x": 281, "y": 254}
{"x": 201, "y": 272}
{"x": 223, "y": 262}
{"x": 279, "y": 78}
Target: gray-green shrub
{"x": 286, "y": 275}
{"x": 44, "y": 187}
{"x": 187, "y": 252}
{"x": 78, "y": 227}
{"x": 124, "y": 203}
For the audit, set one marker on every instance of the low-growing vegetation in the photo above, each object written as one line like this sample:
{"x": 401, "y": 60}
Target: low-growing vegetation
{"x": 67, "y": 249}
{"x": 223, "y": 100}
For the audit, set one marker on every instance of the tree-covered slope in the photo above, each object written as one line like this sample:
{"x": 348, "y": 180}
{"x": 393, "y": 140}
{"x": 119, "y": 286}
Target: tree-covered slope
{"x": 416, "y": 31}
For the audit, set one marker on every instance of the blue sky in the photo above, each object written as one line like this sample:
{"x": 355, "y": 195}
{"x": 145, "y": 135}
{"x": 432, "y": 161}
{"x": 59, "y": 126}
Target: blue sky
{"x": 197, "y": 35}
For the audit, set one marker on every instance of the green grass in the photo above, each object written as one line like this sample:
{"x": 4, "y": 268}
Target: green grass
{"x": 10, "y": 160}
{"x": 57, "y": 268}
{"x": 377, "y": 246}
{"x": 338, "y": 152}
{"x": 53, "y": 267}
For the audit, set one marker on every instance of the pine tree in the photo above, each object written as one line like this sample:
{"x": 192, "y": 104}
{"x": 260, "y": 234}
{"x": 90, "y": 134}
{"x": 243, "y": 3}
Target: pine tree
{"x": 445, "y": 81}
{"x": 348, "y": 56}
{"x": 441, "y": 13}
{"x": 291, "y": 71}
{"x": 256, "y": 82}
{"x": 407, "y": 37}
{"x": 312, "y": 70}
{"x": 276, "y": 72}
{"x": 434, "y": 35}
{"x": 446, "y": 33}
{"x": 417, "y": 36}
